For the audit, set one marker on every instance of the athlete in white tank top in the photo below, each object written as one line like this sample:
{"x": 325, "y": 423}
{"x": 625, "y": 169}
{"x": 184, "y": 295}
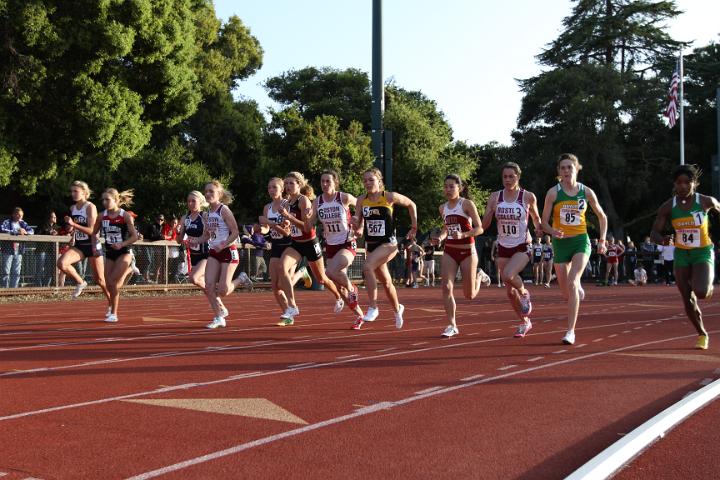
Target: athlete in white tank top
{"x": 79, "y": 215}
{"x": 219, "y": 230}
{"x": 335, "y": 218}
{"x": 512, "y": 220}
{"x": 276, "y": 218}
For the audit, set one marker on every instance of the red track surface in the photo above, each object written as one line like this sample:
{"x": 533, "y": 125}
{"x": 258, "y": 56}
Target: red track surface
{"x": 379, "y": 403}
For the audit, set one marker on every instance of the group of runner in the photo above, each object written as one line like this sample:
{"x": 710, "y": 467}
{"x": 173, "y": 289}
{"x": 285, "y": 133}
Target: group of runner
{"x": 293, "y": 212}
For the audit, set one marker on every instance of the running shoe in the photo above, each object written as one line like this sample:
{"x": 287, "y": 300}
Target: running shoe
{"x": 79, "y": 289}
{"x": 569, "y": 338}
{"x": 353, "y": 298}
{"x": 339, "y": 305}
{"x": 523, "y": 329}
{"x": 371, "y": 314}
{"x": 217, "y": 322}
{"x": 112, "y": 318}
{"x": 525, "y": 303}
{"x": 703, "y": 342}
{"x": 398, "y": 316}
{"x": 547, "y": 285}
{"x": 288, "y": 318}
{"x": 358, "y": 323}
{"x": 450, "y": 331}
{"x": 246, "y": 280}
{"x": 307, "y": 279}
{"x": 483, "y": 278}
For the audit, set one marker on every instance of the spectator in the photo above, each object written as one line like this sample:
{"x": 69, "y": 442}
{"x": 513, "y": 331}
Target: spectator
{"x": 429, "y": 265}
{"x": 640, "y": 276}
{"x": 594, "y": 259}
{"x": 647, "y": 257}
{"x": 414, "y": 253}
{"x": 153, "y": 233}
{"x": 631, "y": 257}
{"x": 45, "y": 250}
{"x": 612, "y": 257}
{"x": 667, "y": 252}
{"x": 170, "y": 232}
{"x": 13, "y": 251}
{"x": 494, "y": 258}
{"x": 257, "y": 240}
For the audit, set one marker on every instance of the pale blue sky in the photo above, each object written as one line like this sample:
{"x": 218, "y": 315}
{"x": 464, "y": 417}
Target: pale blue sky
{"x": 465, "y": 54}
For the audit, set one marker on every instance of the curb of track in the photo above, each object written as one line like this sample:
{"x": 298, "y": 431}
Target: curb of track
{"x": 619, "y": 454}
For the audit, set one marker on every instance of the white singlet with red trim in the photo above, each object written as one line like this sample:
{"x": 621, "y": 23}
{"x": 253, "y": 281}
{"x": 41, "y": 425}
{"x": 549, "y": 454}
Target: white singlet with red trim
{"x": 512, "y": 220}
{"x": 335, "y": 218}
{"x": 456, "y": 221}
{"x": 219, "y": 230}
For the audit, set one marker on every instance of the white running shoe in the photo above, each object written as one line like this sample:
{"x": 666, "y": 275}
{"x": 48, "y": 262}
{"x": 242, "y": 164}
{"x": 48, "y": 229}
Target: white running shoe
{"x": 245, "y": 280}
{"x": 569, "y": 338}
{"x": 450, "y": 331}
{"x": 339, "y": 305}
{"x": 371, "y": 314}
{"x": 112, "y": 318}
{"x": 290, "y": 313}
{"x": 217, "y": 322}
{"x": 483, "y": 278}
{"x": 78, "y": 289}
{"x": 581, "y": 293}
{"x": 398, "y": 316}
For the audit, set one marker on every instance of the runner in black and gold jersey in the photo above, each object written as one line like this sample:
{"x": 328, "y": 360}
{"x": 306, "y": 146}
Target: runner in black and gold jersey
{"x": 694, "y": 260}
{"x": 374, "y": 219}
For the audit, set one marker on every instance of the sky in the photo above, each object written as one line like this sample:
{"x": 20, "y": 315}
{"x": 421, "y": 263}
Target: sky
{"x": 464, "y": 54}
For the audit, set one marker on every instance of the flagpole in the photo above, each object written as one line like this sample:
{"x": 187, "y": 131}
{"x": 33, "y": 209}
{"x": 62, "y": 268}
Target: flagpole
{"x": 682, "y": 113}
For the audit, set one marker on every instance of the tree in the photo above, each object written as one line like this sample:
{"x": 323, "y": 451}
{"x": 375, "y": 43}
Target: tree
{"x": 96, "y": 81}
{"x": 344, "y": 94}
{"x": 601, "y": 99}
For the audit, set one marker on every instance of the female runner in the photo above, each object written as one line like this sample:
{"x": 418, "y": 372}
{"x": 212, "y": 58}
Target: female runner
{"x": 461, "y": 224}
{"x": 332, "y": 208}
{"x": 81, "y": 223}
{"x": 547, "y": 258}
{"x": 304, "y": 244}
{"x": 279, "y": 240}
{"x": 567, "y": 202}
{"x": 512, "y": 208}
{"x": 374, "y": 218}
{"x": 694, "y": 259}
{"x": 118, "y": 228}
{"x": 223, "y": 258}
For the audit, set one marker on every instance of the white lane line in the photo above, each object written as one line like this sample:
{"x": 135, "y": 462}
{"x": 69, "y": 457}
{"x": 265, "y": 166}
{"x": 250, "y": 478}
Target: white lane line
{"x": 707, "y": 381}
{"x": 318, "y": 365}
{"x": 637, "y": 328}
{"x": 2, "y": 474}
{"x": 301, "y": 365}
{"x": 427, "y": 390}
{"x": 497, "y": 329}
{"x": 598, "y": 340}
{"x": 627, "y": 331}
{"x": 347, "y": 356}
{"x": 473, "y": 377}
{"x": 378, "y": 407}
{"x": 535, "y": 359}
{"x": 581, "y": 345}
{"x": 560, "y": 351}
{"x": 546, "y": 321}
{"x": 506, "y": 367}
{"x": 613, "y": 335}
{"x": 473, "y": 334}
{"x": 418, "y": 344}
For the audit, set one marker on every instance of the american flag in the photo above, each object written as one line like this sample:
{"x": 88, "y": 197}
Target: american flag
{"x": 671, "y": 110}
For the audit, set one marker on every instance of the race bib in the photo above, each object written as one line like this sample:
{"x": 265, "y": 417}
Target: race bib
{"x": 453, "y": 228}
{"x": 375, "y": 228}
{"x": 113, "y": 238}
{"x": 569, "y": 216}
{"x": 295, "y": 231}
{"x": 331, "y": 228}
{"x": 688, "y": 237}
{"x": 509, "y": 230}
{"x": 612, "y": 253}
{"x": 275, "y": 235}
{"x": 698, "y": 218}
{"x": 195, "y": 247}
{"x": 81, "y": 235}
